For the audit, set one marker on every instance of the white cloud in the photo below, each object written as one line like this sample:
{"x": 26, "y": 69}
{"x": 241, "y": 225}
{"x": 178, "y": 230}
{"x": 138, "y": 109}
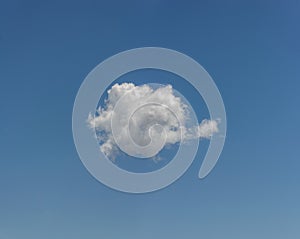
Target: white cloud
{"x": 152, "y": 116}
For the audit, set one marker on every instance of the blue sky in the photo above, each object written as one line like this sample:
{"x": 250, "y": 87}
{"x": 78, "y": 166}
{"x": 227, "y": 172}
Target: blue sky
{"x": 250, "y": 48}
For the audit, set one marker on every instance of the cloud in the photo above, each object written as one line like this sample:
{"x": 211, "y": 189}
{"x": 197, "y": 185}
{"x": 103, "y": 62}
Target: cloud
{"x": 134, "y": 117}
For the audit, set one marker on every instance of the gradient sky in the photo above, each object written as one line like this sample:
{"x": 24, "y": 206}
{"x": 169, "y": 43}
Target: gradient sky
{"x": 250, "y": 48}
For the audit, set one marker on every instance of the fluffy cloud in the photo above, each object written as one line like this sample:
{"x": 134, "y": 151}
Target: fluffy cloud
{"x": 142, "y": 120}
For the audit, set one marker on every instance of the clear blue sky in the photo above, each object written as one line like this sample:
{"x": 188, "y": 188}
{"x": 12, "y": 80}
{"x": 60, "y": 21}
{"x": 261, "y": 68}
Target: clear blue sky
{"x": 250, "y": 48}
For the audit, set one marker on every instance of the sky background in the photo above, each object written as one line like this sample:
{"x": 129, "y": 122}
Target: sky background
{"x": 250, "y": 48}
